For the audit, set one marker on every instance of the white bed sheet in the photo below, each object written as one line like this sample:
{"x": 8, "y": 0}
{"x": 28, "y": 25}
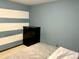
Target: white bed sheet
{"x": 36, "y": 51}
{"x": 63, "y": 53}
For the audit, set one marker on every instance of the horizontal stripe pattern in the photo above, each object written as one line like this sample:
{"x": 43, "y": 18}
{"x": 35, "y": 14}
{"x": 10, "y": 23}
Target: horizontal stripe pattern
{"x": 10, "y": 33}
{"x": 10, "y": 45}
{"x": 12, "y": 26}
{"x": 10, "y": 39}
{"x": 9, "y": 13}
{"x": 13, "y": 20}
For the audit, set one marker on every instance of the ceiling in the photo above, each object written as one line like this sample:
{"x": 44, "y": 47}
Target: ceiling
{"x": 32, "y": 2}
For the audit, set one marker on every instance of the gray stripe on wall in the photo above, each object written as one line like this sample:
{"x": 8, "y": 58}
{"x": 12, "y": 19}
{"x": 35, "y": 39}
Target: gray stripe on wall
{"x": 13, "y": 20}
{"x": 10, "y": 45}
{"x": 10, "y": 33}
{"x": 11, "y": 5}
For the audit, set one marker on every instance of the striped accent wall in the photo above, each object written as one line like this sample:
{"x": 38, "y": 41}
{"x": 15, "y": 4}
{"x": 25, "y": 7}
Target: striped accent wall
{"x": 11, "y": 33}
{"x": 11, "y": 27}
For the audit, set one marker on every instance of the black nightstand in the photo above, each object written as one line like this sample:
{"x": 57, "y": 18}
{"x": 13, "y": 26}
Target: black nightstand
{"x": 31, "y": 35}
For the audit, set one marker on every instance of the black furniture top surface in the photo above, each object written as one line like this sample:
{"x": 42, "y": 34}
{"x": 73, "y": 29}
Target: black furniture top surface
{"x": 31, "y": 26}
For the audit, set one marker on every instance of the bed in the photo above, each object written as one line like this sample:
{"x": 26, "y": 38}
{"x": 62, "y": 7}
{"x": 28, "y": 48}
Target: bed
{"x": 43, "y": 51}
{"x": 63, "y": 53}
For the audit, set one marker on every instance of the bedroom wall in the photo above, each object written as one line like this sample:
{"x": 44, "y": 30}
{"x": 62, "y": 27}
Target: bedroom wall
{"x": 7, "y": 5}
{"x": 4, "y": 4}
{"x": 15, "y": 6}
{"x": 59, "y": 22}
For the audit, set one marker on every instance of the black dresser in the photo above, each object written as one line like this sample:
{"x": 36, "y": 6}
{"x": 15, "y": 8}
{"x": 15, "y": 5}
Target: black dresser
{"x": 31, "y": 35}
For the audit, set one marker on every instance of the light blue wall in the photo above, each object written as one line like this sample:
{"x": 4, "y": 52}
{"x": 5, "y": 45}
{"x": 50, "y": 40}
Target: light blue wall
{"x": 59, "y": 22}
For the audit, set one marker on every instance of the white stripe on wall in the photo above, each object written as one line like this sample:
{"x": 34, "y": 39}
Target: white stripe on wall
{"x": 10, "y": 39}
{"x": 9, "y": 13}
{"x": 12, "y": 26}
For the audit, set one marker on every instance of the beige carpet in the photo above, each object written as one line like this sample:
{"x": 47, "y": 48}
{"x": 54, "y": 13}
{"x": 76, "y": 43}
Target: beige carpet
{"x": 11, "y": 51}
{"x": 36, "y": 51}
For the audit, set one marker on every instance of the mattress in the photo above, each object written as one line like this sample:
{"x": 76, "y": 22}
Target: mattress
{"x": 36, "y": 51}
